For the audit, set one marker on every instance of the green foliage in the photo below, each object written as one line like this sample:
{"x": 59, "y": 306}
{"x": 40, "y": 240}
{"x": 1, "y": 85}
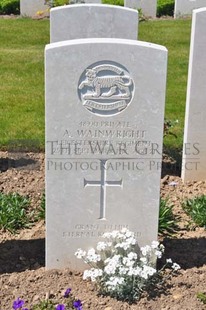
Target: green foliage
{"x": 9, "y": 7}
{"x": 165, "y": 7}
{"x": 168, "y": 124}
{"x": 196, "y": 209}
{"x": 166, "y": 218}
{"x": 114, "y": 2}
{"x": 44, "y": 305}
{"x": 54, "y": 3}
{"x": 13, "y": 212}
{"x": 41, "y": 210}
{"x": 202, "y": 297}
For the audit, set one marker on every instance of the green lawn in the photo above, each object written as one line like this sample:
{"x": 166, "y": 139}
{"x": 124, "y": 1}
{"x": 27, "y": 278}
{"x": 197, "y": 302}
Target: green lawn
{"x": 22, "y": 43}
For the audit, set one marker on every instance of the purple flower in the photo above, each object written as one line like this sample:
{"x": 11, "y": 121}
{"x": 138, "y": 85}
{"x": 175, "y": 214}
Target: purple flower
{"x": 60, "y": 307}
{"x": 17, "y": 304}
{"x": 67, "y": 292}
{"x": 77, "y": 304}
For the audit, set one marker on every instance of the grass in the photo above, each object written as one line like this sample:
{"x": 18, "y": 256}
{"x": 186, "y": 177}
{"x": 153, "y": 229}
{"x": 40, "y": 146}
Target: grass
{"x": 175, "y": 35}
{"x": 196, "y": 209}
{"x": 22, "y": 79}
{"x": 22, "y": 75}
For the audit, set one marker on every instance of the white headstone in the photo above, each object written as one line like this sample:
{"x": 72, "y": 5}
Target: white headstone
{"x": 148, "y": 7}
{"x": 185, "y": 7}
{"x": 194, "y": 152}
{"x": 104, "y": 128}
{"x": 92, "y": 21}
{"x": 32, "y": 8}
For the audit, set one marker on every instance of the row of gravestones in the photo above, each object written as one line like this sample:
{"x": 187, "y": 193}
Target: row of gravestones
{"x": 149, "y": 7}
{"x": 105, "y": 95}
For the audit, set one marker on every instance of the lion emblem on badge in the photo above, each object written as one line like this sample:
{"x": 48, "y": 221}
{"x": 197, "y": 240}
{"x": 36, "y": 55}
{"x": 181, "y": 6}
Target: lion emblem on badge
{"x": 114, "y": 84}
{"x": 105, "y": 89}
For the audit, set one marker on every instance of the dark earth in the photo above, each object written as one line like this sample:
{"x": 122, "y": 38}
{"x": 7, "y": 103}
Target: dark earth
{"x": 22, "y": 256}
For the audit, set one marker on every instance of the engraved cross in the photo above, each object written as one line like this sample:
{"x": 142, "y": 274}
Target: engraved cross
{"x": 103, "y": 183}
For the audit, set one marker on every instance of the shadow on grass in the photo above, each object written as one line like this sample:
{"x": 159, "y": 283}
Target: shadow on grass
{"x": 21, "y": 255}
{"x": 188, "y": 253}
{"x": 172, "y": 162}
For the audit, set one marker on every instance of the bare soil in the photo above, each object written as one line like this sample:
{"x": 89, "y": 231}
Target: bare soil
{"x": 22, "y": 256}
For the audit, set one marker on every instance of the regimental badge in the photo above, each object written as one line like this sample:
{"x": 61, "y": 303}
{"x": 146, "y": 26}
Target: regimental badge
{"x": 105, "y": 88}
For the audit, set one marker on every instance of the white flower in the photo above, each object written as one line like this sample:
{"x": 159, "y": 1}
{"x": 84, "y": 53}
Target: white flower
{"x": 114, "y": 234}
{"x": 161, "y": 248}
{"x": 123, "y": 270}
{"x": 175, "y": 266}
{"x": 158, "y": 254}
{"x": 145, "y": 250}
{"x": 128, "y": 262}
{"x": 132, "y": 255}
{"x": 101, "y": 246}
{"x": 131, "y": 241}
{"x": 107, "y": 235}
{"x": 93, "y": 273}
{"x": 92, "y": 256}
{"x": 110, "y": 269}
{"x": 134, "y": 271}
{"x": 147, "y": 271}
{"x": 86, "y": 274}
{"x": 169, "y": 261}
{"x": 143, "y": 260}
{"x": 155, "y": 244}
{"x": 114, "y": 281}
{"x": 80, "y": 253}
{"x": 112, "y": 264}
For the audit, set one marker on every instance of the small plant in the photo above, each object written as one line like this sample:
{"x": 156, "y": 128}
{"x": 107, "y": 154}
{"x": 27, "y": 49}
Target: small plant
{"x": 68, "y": 303}
{"x": 41, "y": 209}
{"x": 119, "y": 268}
{"x": 13, "y": 212}
{"x": 202, "y": 297}
{"x": 168, "y": 124}
{"x": 166, "y": 218}
{"x": 196, "y": 209}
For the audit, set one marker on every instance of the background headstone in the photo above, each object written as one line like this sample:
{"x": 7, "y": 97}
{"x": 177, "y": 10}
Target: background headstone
{"x": 185, "y": 7}
{"x": 31, "y": 8}
{"x": 104, "y": 130}
{"x": 92, "y": 21}
{"x": 194, "y": 152}
{"x": 148, "y": 7}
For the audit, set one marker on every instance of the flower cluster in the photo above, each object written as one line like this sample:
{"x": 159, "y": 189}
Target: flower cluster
{"x": 119, "y": 267}
{"x": 70, "y": 303}
{"x": 18, "y": 304}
